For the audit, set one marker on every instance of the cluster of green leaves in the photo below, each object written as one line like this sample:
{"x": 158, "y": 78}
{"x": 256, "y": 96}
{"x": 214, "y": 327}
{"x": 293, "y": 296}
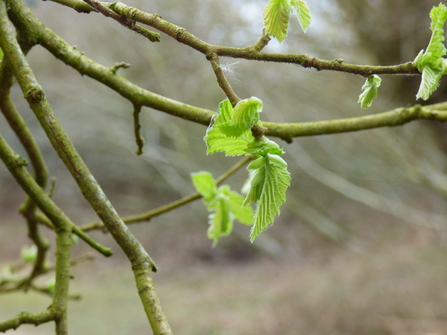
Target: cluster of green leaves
{"x": 231, "y": 133}
{"x": 277, "y": 13}
{"x": 224, "y": 204}
{"x": 430, "y": 62}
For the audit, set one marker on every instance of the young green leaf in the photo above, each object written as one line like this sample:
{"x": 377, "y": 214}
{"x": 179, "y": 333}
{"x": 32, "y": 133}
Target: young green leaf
{"x": 217, "y": 141}
{"x": 204, "y": 183}
{"x": 224, "y": 113}
{"x": 220, "y": 221}
{"x": 429, "y": 82}
{"x": 430, "y": 63}
{"x": 269, "y": 180}
{"x": 245, "y": 116}
{"x": 244, "y": 214}
{"x": 438, "y": 17}
{"x": 303, "y": 13}
{"x": 263, "y": 146}
{"x": 225, "y": 205}
{"x": 276, "y": 18}
{"x": 256, "y": 182}
{"x": 370, "y": 90}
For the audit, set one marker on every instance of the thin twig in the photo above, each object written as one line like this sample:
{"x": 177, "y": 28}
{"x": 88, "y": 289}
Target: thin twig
{"x": 147, "y": 216}
{"x": 78, "y": 5}
{"x": 286, "y": 131}
{"x": 136, "y": 124}
{"x": 262, "y": 42}
{"x": 222, "y": 80}
{"x": 126, "y": 22}
{"x": 43, "y": 219}
{"x": 141, "y": 262}
{"x": 28, "y": 318}
{"x": 250, "y": 52}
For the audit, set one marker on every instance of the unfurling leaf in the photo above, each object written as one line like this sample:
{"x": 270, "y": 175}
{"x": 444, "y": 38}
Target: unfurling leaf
{"x": 370, "y": 90}
{"x": 220, "y": 221}
{"x": 430, "y": 63}
{"x": 429, "y": 82}
{"x": 303, "y": 13}
{"x": 217, "y": 141}
{"x": 276, "y": 18}
{"x": 263, "y": 146}
{"x": 204, "y": 183}
{"x": 438, "y": 17}
{"x": 269, "y": 180}
{"x": 245, "y": 116}
{"x": 244, "y": 214}
{"x": 231, "y": 132}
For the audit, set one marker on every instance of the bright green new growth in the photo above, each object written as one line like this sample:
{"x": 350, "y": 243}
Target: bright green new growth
{"x": 370, "y": 90}
{"x": 245, "y": 116}
{"x": 303, "y": 13}
{"x": 218, "y": 141}
{"x": 269, "y": 180}
{"x": 231, "y": 133}
{"x": 277, "y": 13}
{"x": 225, "y": 206}
{"x": 205, "y": 185}
{"x": 430, "y": 63}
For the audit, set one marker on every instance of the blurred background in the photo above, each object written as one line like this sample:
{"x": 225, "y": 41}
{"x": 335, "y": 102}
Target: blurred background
{"x": 360, "y": 245}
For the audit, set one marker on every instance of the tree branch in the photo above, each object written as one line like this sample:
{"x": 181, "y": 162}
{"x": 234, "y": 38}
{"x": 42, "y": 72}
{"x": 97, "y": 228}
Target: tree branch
{"x": 396, "y": 117}
{"x": 136, "y": 125}
{"x": 126, "y": 22}
{"x": 254, "y": 53}
{"x": 28, "y": 208}
{"x": 286, "y": 131}
{"x": 142, "y": 264}
{"x": 78, "y": 5}
{"x": 222, "y": 80}
{"x": 28, "y": 318}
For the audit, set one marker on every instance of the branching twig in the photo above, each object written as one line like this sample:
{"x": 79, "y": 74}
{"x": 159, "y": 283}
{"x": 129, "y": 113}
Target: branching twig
{"x": 136, "y": 124}
{"x": 262, "y": 42}
{"x": 28, "y": 318}
{"x": 183, "y": 36}
{"x": 78, "y": 5}
{"x": 126, "y": 22}
{"x": 28, "y": 208}
{"x": 41, "y": 218}
{"x": 142, "y": 264}
{"x": 222, "y": 80}
{"x": 136, "y": 94}
{"x": 396, "y": 117}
